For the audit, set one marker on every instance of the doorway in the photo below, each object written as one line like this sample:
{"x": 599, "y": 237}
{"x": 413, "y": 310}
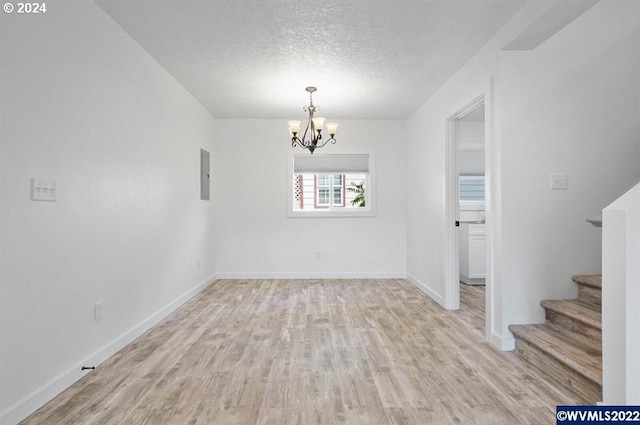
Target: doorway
{"x": 466, "y": 256}
{"x": 471, "y": 197}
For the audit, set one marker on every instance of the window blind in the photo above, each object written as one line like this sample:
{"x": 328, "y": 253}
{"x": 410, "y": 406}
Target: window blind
{"x": 340, "y": 163}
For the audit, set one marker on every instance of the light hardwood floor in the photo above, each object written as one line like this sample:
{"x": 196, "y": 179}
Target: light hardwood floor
{"x": 309, "y": 352}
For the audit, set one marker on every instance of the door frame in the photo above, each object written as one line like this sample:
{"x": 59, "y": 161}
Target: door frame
{"x": 451, "y": 242}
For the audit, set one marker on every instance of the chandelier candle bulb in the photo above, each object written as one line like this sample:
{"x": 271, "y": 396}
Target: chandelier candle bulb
{"x": 332, "y": 128}
{"x": 294, "y": 126}
{"x": 318, "y": 122}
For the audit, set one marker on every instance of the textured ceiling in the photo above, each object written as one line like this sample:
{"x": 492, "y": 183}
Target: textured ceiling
{"x": 368, "y": 58}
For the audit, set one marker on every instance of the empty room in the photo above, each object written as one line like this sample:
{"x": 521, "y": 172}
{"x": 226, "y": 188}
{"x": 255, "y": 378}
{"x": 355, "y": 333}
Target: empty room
{"x": 337, "y": 212}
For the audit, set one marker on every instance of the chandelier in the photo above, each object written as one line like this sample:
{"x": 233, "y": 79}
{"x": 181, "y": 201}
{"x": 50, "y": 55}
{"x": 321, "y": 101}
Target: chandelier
{"x": 312, "y": 137}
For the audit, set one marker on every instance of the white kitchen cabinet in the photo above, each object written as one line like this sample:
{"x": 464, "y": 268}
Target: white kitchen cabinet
{"x": 472, "y": 253}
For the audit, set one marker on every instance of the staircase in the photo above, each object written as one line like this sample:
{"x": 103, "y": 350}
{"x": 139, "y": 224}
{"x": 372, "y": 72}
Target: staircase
{"x": 568, "y": 346}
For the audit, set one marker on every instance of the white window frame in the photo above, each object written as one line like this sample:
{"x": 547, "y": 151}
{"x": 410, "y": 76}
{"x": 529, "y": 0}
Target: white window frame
{"x": 368, "y": 211}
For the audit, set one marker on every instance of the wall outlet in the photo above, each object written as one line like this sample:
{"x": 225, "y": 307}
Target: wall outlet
{"x": 98, "y": 311}
{"x": 43, "y": 190}
{"x": 318, "y": 255}
{"x": 558, "y": 181}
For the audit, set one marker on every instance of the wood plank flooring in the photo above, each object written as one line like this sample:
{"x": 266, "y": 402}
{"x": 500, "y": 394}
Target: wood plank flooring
{"x": 303, "y": 352}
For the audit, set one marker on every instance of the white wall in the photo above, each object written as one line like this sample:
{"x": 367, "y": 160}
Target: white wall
{"x": 426, "y": 157}
{"x": 570, "y": 106}
{"x": 83, "y": 104}
{"x": 256, "y": 238}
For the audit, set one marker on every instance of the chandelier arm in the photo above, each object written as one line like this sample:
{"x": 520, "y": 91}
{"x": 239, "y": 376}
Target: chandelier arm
{"x": 332, "y": 140}
{"x": 295, "y": 141}
{"x": 310, "y": 126}
{"x": 301, "y": 145}
{"x": 304, "y": 136}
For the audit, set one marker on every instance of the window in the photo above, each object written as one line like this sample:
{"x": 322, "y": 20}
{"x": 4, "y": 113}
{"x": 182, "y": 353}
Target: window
{"x": 315, "y": 191}
{"x": 329, "y": 189}
{"x": 330, "y": 185}
{"x": 471, "y": 188}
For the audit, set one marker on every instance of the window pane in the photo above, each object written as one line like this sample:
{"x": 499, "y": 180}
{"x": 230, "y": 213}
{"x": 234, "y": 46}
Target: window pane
{"x": 337, "y": 196}
{"x": 323, "y": 195}
{"x": 471, "y": 188}
{"x": 323, "y": 179}
{"x": 356, "y": 190}
{"x": 326, "y": 192}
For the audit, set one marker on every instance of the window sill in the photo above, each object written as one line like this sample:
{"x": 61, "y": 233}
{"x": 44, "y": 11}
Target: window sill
{"x": 334, "y": 213}
{"x": 471, "y": 206}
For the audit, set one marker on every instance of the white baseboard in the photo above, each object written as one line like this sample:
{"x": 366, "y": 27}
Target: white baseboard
{"x": 424, "y": 288}
{"x": 503, "y": 343}
{"x": 311, "y": 275}
{"x": 55, "y": 386}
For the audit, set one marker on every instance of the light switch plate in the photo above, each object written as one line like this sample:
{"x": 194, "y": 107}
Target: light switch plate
{"x": 99, "y": 311}
{"x": 558, "y": 181}
{"x": 205, "y": 175}
{"x": 43, "y": 190}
